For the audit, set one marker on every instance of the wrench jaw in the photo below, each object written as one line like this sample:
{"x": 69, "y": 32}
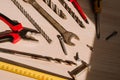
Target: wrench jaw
{"x": 67, "y": 36}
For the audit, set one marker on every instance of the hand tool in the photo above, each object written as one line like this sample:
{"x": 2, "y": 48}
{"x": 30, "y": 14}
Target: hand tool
{"x": 32, "y": 20}
{"x": 79, "y": 9}
{"x": 75, "y": 17}
{"x": 90, "y": 47}
{"x": 111, "y": 35}
{"x": 55, "y": 8}
{"x": 77, "y": 70}
{"x": 18, "y": 31}
{"x": 67, "y": 36}
{"x": 62, "y": 44}
{"x": 76, "y": 57}
{"x": 97, "y": 11}
{"x": 37, "y": 57}
{"x": 29, "y": 71}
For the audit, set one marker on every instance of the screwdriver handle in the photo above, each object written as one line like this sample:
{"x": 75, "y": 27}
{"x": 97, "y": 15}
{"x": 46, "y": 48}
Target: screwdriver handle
{"x": 97, "y": 6}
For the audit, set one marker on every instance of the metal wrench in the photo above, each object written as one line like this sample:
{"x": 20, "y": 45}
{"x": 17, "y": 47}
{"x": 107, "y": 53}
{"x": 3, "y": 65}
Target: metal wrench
{"x": 67, "y": 36}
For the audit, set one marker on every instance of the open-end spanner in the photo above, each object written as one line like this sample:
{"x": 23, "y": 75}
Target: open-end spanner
{"x": 67, "y": 36}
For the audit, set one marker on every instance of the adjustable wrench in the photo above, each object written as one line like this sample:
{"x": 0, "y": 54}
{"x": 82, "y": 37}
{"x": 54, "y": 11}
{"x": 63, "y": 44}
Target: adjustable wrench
{"x": 67, "y": 36}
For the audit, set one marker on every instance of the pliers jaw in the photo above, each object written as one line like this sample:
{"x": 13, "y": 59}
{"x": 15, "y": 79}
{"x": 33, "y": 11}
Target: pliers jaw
{"x": 18, "y": 31}
{"x": 27, "y": 33}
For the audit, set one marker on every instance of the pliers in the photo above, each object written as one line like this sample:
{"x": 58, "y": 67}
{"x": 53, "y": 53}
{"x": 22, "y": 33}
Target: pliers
{"x": 17, "y": 31}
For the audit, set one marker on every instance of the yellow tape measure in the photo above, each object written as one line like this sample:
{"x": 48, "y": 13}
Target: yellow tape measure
{"x": 27, "y": 72}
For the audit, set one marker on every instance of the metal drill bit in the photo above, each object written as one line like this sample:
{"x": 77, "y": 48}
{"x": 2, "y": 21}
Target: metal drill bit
{"x": 37, "y": 57}
{"x": 31, "y": 20}
{"x": 72, "y": 13}
{"x": 55, "y": 8}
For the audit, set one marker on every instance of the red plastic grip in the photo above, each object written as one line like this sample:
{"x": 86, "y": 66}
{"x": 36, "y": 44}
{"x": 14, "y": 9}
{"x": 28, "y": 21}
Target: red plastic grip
{"x": 79, "y": 9}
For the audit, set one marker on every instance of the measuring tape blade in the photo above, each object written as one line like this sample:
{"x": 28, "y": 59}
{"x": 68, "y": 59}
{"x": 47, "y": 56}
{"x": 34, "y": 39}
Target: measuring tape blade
{"x": 28, "y": 71}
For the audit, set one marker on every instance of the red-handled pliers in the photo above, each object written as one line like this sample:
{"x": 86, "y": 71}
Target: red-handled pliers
{"x": 17, "y": 31}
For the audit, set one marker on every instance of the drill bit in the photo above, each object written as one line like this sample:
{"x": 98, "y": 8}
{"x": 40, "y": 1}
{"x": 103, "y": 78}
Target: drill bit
{"x": 97, "y": 11}
{"x": 55, "y": 8}
{"x": 75, "y": 17}
{"x": 32, "y": 21}
{"x": 37, "y": 57}
{"x": 79, "y": 9}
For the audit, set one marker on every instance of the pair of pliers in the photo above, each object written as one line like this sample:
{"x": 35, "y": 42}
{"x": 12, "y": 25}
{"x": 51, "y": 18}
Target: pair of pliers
{"x": 17, "y": 31}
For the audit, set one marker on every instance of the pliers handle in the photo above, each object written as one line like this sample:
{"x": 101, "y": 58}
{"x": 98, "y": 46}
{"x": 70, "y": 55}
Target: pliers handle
{"x": 14, "y": 25}
{"x": 18, "y": 31}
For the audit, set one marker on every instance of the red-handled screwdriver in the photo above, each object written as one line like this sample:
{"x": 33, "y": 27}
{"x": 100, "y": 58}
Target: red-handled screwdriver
{"x": 79, "y": 9}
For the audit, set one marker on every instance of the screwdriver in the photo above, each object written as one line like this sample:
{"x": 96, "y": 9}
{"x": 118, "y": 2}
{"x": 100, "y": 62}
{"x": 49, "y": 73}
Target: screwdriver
{"x": 97, "y": 11}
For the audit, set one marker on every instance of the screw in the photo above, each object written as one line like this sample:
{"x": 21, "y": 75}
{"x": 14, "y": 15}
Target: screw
{"x": 76, "y": 57}
{"x": 90, "y": 47}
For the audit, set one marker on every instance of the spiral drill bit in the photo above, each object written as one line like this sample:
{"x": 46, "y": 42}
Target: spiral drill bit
{"x": 75, "y": 17}
{"x": 37, "y": 57}
{"x": 32, "y": 21}
{"x": 55, "y": 8}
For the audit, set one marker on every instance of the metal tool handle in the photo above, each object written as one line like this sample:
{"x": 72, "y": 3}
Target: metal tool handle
{"x": 48, "y": 17}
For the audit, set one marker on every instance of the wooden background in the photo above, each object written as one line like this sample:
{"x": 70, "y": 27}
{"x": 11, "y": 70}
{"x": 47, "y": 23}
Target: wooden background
{"x": 105, "y": 60}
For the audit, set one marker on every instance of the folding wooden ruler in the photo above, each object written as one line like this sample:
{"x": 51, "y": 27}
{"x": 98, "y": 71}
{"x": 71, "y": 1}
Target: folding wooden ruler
{"x": 28, "y": 71}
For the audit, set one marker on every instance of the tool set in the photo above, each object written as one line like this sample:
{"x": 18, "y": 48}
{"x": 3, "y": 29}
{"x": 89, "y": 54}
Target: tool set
{"x": 31, "y": 20}
{"x": 18, "y": 31}
{"x": 55, "y": 8}
{"x": 67, "y": 36}
{"x": 75, "y": 17}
